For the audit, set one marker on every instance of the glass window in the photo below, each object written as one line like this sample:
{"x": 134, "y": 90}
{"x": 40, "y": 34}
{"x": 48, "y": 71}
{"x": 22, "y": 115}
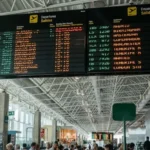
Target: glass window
{"x": 20, "y": 122}
{"x": 16, "y": 115}
{"x": 27, "y": 119}
{"x": 9, "y": 125}
{"x": 21, "y": 129}
{"x": 31, "y": 119}
{"x": 22, "y": 117}
{"x": 15, "y": 125}
{"x": 10, "y": 107}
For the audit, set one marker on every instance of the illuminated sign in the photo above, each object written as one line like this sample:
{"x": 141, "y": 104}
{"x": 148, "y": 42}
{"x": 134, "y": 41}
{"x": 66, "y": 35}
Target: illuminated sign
{"x": 33, "y": 18}
{"x": 85, "y": 42}
{"x": 102, "y": 136}
{"x": 132, "y": 11}
{"x": 45, "y": 44}
{"x": 118, "y": 42}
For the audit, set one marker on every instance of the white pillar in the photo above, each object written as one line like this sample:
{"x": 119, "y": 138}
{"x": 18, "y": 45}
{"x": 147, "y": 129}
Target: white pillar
{"x": 81, "y": 139}
{"x": 4, "y": 103}
{"x": 37, "y": 127}
{"x": 54, "y": 130}
{"x": 78, "y": 138}
{"x": 147, "y": 123}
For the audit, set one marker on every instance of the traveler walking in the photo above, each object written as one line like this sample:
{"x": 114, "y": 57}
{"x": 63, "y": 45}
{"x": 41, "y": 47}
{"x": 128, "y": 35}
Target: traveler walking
{"x": 147, "y": 144}
{"x": 48, "y": 146}
{"x": 33, "y": 146}
{"x": 17, "y": 147}
{"x": 9, "y": 146}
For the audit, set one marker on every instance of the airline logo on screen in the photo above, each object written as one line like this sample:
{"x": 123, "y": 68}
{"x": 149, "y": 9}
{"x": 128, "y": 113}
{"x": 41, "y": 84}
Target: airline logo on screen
{"x": 132, "y": 11}
{"x": 33, "y": 19}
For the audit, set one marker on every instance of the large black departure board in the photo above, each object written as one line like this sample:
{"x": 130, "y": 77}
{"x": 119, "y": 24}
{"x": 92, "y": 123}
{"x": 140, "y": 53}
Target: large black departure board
{"x": 43, "y": 44}
{"x": 119, "y": 40}
{"x": 113, "y": 40}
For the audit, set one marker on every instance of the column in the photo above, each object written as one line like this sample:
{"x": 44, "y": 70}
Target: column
{"x": 54, "y": 130}
{"x": 37, "y": 127}
{"x": 4, "y": 103}
{"x": 79, "y": 140}
{"x": 82, "y": 140}
{"x": 147, "y": 123}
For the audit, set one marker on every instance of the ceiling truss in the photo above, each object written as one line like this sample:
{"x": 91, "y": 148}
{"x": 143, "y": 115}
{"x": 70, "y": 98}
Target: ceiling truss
{"x": 85, "y": 102}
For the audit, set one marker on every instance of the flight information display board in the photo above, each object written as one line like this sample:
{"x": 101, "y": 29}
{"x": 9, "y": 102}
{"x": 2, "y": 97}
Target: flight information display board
{"x": 118, "y": 40}
{"x": 113, "y": 40}
{"x": 102, "y": 136}
{"x": 43, "y": 44}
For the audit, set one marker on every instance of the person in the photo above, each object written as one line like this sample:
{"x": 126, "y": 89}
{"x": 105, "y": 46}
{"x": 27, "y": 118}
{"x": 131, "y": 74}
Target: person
{"x": 33, "y": 146}
{"x": 59, "y": 143}
{"x": 73, "y": 143}
{"x": 9, "y": 146}
{"x": 95, "y": 146}
{"x": 24, "y": 146}
{"x": 147, "y": 144}
{"x": 89, "y": 147}
{"x": 17, "y": 147}
{"x": 60, "y": 147}
{"x": 131, "y": 146}
{"x": 108, "y": 147}
{"x": 94, "y": 143}
{"x": 76, "y": 146}
{"x": 48, "y": 146}
{"x": 100, "y": 148}
{"x": 128, "y": 146}
{"x": 72, "y": 147}
{"x": 119, "y": 145}
{"x": 55, "y": 146}
{"x": 79, "y": 147}
{"x": 65, "y": 147}
{"x": 37, "y": 147}
{"x": 84, "y": 148}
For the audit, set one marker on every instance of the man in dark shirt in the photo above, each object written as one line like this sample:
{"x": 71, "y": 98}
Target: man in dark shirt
{"x": 131, "y": 146}
{"x": 147, "y": 144}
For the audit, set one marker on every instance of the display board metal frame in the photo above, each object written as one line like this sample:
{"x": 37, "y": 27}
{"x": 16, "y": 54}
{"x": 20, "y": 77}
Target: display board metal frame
{"x": 99, "y": 41}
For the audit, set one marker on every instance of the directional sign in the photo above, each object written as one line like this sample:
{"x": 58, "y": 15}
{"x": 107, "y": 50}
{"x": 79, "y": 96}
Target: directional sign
{"x": 124, "y": 111}
{"x": 11, "y": 113}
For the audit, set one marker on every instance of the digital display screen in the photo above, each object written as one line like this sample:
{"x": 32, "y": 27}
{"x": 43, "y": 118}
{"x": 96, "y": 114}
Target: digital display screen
{"x": 118, "y": 40}
{"x": 43, "y": 44}
{"x": 113, "y": 40}
{"x": 102, "y": 136}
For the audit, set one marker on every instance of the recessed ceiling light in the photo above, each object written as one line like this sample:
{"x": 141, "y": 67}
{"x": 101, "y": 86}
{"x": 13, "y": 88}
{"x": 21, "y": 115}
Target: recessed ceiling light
{"x": 76, "y": 78}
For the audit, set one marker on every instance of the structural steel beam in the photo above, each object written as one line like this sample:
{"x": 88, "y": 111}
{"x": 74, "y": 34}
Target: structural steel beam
{"x": 97, "y": 93}
{"x": 77, "y": 2}
{"x": 12, "y": 7}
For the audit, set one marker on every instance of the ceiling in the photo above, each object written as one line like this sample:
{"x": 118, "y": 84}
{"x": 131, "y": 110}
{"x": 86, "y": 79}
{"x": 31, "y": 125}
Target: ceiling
{"x": 27, "y": 6}
{"x": 85, "y": 102}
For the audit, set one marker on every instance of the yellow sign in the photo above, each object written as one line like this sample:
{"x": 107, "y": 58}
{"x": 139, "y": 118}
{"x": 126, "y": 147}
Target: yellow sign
{"x": 33, "y": 19}
{"x": 132, "y": 11}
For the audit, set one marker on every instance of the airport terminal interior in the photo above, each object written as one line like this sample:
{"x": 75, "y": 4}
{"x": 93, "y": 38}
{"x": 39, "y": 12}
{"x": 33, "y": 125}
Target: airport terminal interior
{"x": 74, "y": 74}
